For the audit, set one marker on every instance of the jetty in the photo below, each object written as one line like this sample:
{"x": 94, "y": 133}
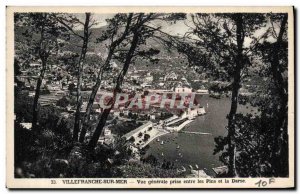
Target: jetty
{"x": 195, "y": 132}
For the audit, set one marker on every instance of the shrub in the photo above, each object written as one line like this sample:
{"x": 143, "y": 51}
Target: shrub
{"x": 23, "y": 108}
{"x": 131, "y": 139}
{"x": 143, "y": 170}
{"x": 146, "y": 137}
{"x": 63, "y": 102}
{"x": 140, "y": 134}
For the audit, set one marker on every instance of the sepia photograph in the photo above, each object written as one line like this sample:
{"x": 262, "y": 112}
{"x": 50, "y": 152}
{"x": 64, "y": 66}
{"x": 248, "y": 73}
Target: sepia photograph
{"x": 150, "y": 98}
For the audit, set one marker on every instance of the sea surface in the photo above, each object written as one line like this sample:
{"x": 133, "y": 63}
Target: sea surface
{"x": 184, "y": 149}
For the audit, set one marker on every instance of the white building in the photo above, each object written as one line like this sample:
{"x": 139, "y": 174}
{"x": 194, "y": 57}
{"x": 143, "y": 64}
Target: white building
{"x": 97, "y": 107}
{"x": 135, "y": 77}
{"x": 190, "y": 113}
{"x": 116, "y": 113}
{"x": 183, "y": 89}
{"x": 152, "y": 117}
{"x": 107, "y": 131}
{"x": 201, "y": 111}
{"x": 202, "y": 91}
{"x": 35, "y": 65}
{"x": 107, "y": 137}
{"x": 148, "y": 79}
{"x": 114, "y": 65}
{"x": 145, "y": 85}
{"x": 26, "y": 125}
{"x": 171, "y": 77}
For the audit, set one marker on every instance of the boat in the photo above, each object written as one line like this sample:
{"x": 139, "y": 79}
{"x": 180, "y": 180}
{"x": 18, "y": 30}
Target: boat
{"x": 201, "y": 111}
{"x": 162, "y": 143}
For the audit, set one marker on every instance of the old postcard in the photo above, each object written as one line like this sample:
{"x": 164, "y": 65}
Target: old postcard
{"x": 150, "y": 97}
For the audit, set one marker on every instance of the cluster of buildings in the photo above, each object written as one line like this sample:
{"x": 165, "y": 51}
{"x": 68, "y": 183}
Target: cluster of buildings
{"x": 59, "y": 82}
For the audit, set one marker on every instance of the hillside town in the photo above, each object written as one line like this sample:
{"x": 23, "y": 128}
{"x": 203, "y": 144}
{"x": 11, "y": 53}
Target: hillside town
{"x": 131, "y": 99}
{"x": 57, "y": 90}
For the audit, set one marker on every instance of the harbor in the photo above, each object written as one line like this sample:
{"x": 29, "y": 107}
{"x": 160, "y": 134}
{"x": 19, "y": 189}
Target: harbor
{"x": 169, "y": 125}
{"x": 194, "y": 144}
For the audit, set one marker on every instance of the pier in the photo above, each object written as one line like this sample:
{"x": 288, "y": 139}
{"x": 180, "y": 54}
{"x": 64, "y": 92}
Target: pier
{"x": 194, "y": 132}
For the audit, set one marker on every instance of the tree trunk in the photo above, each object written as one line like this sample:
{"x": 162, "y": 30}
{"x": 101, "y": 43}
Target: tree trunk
{"x": 278, "y": 160}
{"x": 79, "y": 78}
{"x": 37, "y": 96}
{"x": 114, "y": 44}
{"x": 235, "y": 93}
{"x": 86, "y": 120}
{"x": 43, "y": 57}
{"x": 104, "y": 115}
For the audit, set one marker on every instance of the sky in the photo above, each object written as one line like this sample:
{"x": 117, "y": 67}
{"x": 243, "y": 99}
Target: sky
{"x": 100, "y": 18}
{"x": 178, "y": 29}
{"x": 174, "y": 29}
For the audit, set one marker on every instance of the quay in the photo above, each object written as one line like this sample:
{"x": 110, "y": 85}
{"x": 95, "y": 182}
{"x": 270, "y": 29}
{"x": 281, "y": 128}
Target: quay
{"x": 146, "y": 133}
